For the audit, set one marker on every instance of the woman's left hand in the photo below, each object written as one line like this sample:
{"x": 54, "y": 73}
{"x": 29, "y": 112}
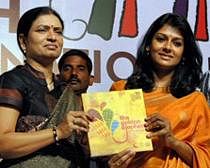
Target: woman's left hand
{"x": 159, "y": 126}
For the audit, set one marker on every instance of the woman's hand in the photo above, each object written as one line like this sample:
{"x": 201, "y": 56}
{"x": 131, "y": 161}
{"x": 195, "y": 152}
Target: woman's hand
{"x": 122, "y": 159}
{"x": 159, "y": 126}
{"x": 74, "y": 121}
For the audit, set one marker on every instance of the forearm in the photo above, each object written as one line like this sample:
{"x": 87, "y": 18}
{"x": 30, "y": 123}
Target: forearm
{"x": 183, "y": 150}
{"x": 14, "y": 145}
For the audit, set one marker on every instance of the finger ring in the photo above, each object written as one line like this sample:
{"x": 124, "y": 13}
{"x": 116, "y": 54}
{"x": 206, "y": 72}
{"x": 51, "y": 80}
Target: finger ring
{"x": 158, "y": 126}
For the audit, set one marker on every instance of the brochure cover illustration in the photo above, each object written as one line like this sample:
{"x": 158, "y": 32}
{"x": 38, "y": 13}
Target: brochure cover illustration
{"x": 119, "y": 121}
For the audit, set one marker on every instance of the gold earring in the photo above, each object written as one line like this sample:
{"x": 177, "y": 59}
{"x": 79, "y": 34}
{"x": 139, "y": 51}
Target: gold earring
{"x": 147, "y": 51}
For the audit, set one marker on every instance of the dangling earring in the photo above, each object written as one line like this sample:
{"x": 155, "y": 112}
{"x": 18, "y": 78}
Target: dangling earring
{"x": 147, "y": 51}
{"x": 24, "y": 50}
{"x": 183, "y": 61}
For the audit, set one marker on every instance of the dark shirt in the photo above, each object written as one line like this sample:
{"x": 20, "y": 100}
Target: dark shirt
{"x": 25, "y": 89}
{"x": 205, "y": 85}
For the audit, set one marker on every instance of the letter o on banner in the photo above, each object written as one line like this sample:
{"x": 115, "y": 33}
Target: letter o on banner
{"x": 113, "y": 58}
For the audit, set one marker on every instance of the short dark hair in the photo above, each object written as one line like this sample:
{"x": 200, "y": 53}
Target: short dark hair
{"x": 29, "y": 17}
{"x": 187, "y": 75}
{"x": 76, "y": 52}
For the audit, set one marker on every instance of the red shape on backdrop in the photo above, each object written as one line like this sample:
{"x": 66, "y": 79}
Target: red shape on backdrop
{"x": 201, "y": 32}
{"x": 129, "y": 25}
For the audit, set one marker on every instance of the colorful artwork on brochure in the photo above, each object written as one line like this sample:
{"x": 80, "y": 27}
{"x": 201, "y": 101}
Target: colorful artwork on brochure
{"x": 118, "y": 121}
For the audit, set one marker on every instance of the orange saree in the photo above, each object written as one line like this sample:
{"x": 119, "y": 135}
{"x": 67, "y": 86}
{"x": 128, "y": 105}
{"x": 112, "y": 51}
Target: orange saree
{"x": 190, "y": 122}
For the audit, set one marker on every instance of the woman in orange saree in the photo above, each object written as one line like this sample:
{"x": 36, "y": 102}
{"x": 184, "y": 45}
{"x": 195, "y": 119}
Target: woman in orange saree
{"x": 168, "y": 69}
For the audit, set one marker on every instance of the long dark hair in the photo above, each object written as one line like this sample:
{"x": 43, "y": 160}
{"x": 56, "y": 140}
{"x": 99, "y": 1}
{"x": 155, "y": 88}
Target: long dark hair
{"x": 187, "y": 73}
{"x": 27, "y": 19}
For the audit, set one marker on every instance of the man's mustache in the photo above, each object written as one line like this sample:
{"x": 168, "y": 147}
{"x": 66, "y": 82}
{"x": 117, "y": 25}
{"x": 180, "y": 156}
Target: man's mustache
{"x": 74, "y": 79}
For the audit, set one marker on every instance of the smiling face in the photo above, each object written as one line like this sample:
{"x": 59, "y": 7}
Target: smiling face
{"x": 167, "y": 48}
{"x": 75, "y": 72}
{"x": 45, "y": 40}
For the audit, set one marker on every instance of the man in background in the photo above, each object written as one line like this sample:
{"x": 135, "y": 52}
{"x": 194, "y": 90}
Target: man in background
{"x": 75, "y": 70}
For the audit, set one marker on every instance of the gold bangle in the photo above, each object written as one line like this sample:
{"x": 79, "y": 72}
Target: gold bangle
{"x": 55, "y": 135}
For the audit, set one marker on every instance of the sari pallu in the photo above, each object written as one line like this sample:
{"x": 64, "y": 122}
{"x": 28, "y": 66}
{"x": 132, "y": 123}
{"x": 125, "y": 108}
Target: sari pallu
{"x": 190, "y": 122}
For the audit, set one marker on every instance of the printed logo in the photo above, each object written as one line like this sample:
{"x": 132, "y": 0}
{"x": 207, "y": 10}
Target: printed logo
{"x": 102, "y": 17}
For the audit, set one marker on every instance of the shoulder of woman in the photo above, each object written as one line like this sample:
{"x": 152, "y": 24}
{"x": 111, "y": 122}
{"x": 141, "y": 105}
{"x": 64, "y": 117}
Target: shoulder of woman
{"x": 12, "y": 76}
{"x": 199, "y": 95}
{"x": 119, "y": 85}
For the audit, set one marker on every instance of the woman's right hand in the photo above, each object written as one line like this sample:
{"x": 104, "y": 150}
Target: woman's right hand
{"x": 122, "y": 159}
{"x": 74, "y": 121}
